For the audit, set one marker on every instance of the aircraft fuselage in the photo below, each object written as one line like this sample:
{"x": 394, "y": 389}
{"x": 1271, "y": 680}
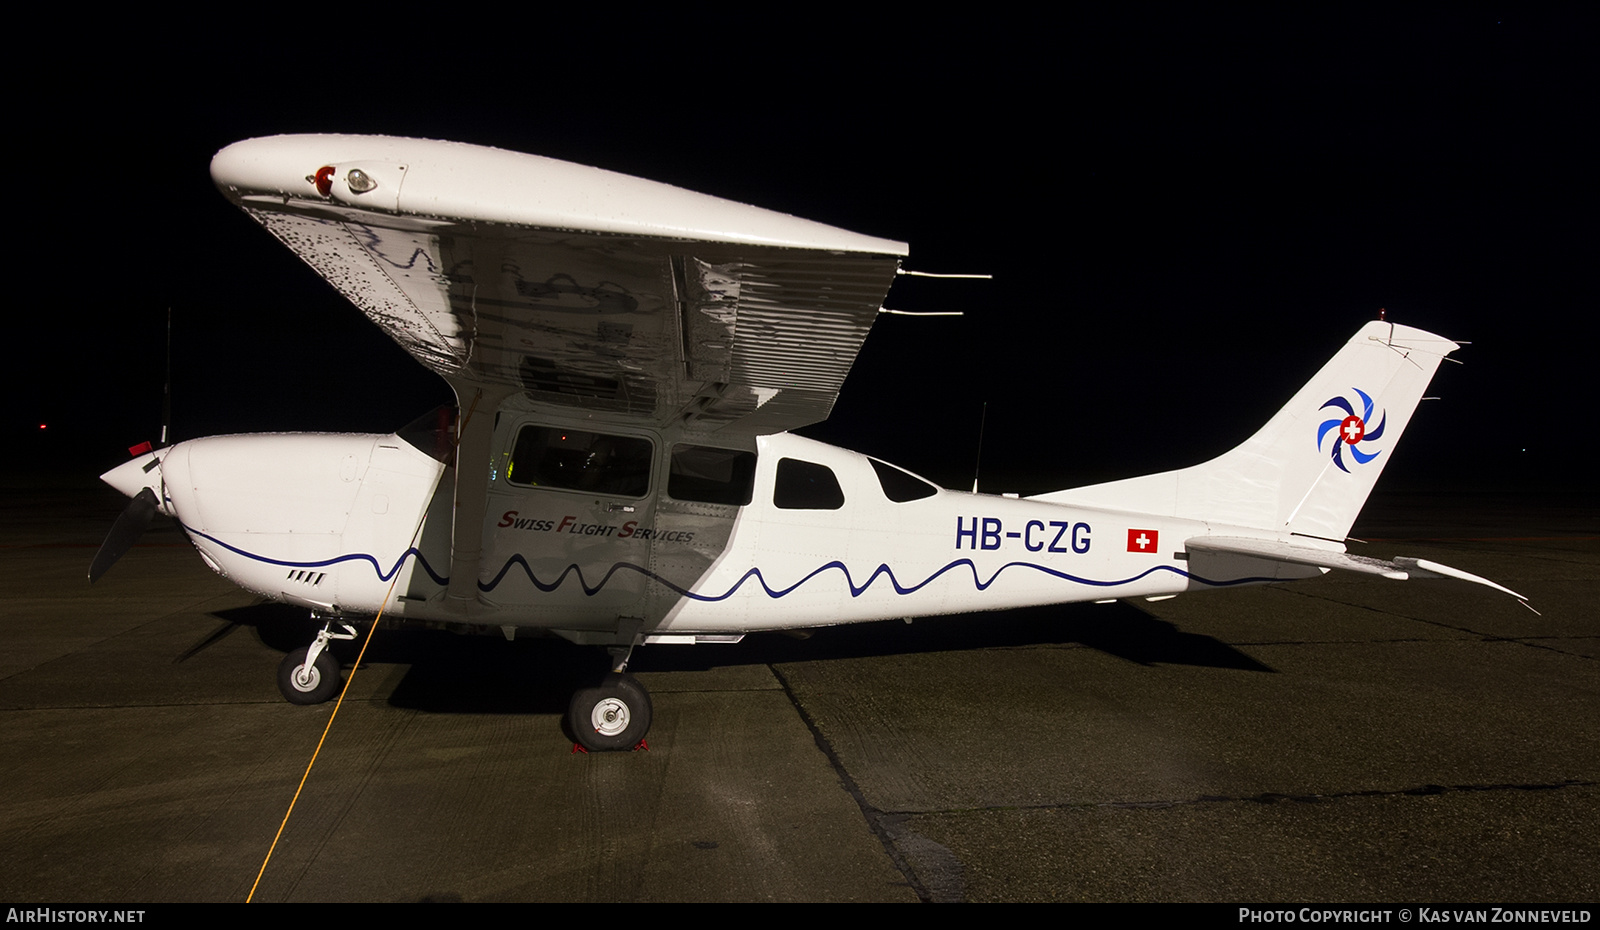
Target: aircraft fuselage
{"x": 586, "y": 531}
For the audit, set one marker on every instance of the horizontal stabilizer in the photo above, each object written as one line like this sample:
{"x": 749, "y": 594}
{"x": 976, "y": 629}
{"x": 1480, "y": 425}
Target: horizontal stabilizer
{"x": 1422, "y": 568}
{"x": 1399, "y": 568}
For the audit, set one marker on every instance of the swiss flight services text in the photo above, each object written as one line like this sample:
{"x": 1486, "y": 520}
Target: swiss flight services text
{"x": 572, "y": 526}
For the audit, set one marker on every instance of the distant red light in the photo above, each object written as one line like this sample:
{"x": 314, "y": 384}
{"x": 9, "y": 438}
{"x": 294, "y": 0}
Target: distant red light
{"x": 41, "y": 426}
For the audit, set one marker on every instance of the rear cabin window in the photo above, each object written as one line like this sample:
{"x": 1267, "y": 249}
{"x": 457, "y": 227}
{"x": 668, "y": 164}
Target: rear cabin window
{"x": 806, "y": 486}
{"x": 711, "y": 476}
{"x": 576, "y": 460}
{"x": 901, "y": 486}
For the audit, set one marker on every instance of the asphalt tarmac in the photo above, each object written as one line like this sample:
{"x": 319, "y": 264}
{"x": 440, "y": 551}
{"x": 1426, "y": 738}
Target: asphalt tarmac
{"x": 1339, "y": 739}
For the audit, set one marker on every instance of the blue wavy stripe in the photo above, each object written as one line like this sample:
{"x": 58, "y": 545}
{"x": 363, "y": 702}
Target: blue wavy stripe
{"x": 856, "y": 590}
{"x": 354, "y": 557}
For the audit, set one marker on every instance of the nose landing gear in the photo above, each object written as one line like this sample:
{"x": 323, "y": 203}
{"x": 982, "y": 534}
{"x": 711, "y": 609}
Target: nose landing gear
{"x": 311, "y": 675}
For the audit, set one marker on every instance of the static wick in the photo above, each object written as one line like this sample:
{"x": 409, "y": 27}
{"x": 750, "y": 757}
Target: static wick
{"x": 931, "y": 274}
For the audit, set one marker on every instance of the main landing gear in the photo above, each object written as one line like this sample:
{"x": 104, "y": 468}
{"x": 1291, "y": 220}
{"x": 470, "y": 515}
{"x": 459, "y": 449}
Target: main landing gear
{"x": 615, "y": 716}
{"x": 311, "y": 675}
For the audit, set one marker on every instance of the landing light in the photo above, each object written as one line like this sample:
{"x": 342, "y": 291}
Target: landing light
{"x": 360, "y": 182}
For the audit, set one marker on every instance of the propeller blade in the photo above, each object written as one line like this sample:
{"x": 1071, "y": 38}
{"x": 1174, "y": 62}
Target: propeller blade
{"x": 124, "y": 533}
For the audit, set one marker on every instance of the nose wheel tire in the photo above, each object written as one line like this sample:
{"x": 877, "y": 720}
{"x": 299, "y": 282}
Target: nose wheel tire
{"x": 313, "y": 685}
{"x": 612, "y": 717}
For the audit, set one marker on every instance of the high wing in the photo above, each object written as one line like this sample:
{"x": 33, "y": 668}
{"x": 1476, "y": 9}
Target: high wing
{"x": 550, "y": 283}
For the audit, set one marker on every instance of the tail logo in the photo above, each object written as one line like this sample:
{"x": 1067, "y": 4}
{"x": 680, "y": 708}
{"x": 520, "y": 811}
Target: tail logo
{"x": 1351, "y": 432}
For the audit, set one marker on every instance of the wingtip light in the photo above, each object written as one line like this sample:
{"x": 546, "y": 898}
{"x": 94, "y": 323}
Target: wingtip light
{"x": 323, "y": 180}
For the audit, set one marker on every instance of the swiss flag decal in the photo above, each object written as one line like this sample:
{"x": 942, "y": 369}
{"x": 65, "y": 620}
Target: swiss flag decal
{"x": 1143, "y": 540}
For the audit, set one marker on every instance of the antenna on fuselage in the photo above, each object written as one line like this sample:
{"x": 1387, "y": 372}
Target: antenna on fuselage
{"x": 982, "y": 418}
{"x": 166, "y": 392}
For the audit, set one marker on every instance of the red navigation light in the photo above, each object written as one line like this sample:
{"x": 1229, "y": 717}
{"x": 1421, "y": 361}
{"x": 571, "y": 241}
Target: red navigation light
{"x": 324, "y": 180}
{"x": 140, "y": 449}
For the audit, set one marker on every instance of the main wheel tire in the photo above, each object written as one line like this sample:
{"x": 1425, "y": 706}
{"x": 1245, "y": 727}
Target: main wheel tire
{"x": 611, "y": 718}
{"x": 321, "y": 680}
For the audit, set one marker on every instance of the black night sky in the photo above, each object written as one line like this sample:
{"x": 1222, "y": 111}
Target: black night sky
{"x": 1186, "y": 214}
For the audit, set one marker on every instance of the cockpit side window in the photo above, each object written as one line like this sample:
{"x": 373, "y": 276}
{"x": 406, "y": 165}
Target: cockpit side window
{"x": 577, "y": 460}
{"x": 804, "y": 485}
{"x": 901, "y": 486}
{"x": 710, "y": 475}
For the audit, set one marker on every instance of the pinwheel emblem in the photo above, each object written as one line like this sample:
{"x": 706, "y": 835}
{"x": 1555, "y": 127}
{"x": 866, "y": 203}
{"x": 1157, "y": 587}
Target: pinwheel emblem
{"x": 1351, "y": 431}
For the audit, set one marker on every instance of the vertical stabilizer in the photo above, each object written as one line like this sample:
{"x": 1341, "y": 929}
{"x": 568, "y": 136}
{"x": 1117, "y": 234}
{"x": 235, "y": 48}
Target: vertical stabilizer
{"x": 1310, "y": 469}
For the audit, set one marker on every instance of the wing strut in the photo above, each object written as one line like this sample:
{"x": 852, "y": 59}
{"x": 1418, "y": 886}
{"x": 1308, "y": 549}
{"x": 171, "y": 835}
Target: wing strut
{"x": 479, "y": 403}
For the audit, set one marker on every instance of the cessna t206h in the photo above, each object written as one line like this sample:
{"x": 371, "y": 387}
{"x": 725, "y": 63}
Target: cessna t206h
{"x": 628, "y": 358}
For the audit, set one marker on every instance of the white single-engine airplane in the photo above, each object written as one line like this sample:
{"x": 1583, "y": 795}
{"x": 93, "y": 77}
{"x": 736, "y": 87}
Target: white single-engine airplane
{"x": 627, "y": 359}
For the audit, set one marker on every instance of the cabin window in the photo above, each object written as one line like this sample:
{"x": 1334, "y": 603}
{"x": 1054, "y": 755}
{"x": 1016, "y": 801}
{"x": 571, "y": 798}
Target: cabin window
{"x": 577, "y": 460}
{"x": 806, "y": 486}
{"x": 901, "y": 486}
{"x": 711, "y": 476}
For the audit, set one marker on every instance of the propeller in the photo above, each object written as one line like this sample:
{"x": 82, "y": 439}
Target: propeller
{"x": 130, "y": 525}
{"x": 134, "y": 520}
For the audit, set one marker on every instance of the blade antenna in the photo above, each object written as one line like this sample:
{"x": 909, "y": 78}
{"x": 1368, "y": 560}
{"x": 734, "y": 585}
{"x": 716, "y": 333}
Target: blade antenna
{"x": 166, "y": 393}
{"x": 982, "y": 419}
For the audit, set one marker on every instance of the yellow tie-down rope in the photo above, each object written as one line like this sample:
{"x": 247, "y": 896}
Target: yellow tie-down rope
{"x": 345, "y": 690}
{"x": 342, "y": 692}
